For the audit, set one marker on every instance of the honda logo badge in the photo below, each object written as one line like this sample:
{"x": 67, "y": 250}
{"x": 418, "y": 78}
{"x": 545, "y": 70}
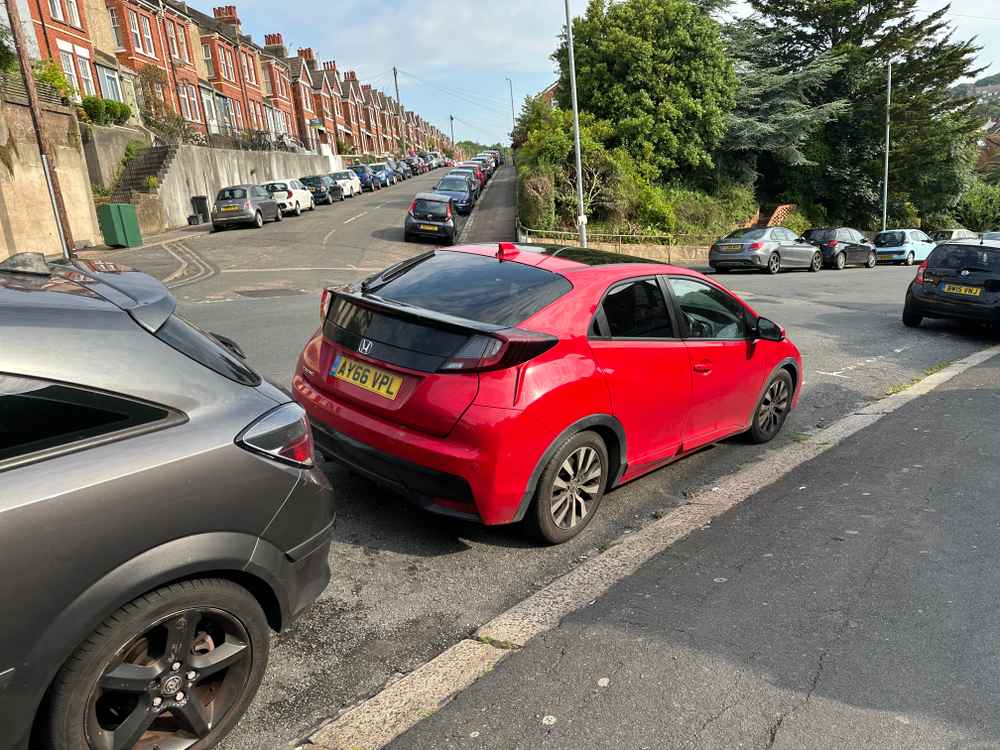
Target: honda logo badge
{"x": 366, "y": 346}
{"x": 965, "y": 273}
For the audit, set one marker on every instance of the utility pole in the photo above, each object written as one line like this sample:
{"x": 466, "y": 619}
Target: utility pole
{"x": 452, "y": 117}
{"x": 581, "y": 218}
{"x": 885, "y": 179}
{"x": 399, "y": 106}
{"x": 513, "y": 117}
{"x": 51, "y": 178}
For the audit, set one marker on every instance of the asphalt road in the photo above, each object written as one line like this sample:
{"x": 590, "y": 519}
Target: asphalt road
{"x": 850, "y": 605}
{"x": 408, "y": 584}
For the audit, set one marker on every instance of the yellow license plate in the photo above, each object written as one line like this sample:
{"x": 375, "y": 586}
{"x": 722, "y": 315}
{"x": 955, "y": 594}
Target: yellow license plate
{"x": 968, "y": 291}
{"x": 428, "y": 227}
{"x": 732, "y": 248}
{"x": 364, "y": 376}
{"x": 230, "y": 208}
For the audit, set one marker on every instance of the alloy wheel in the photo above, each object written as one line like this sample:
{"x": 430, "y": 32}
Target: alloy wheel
{"x": 872, "y": 260}
{"x": 577, "y": 484}
{"x": 170, "y": 686}
{"x": 909, "y": 259}
{"x": 259, "y": 220}
{"x": 817, "y": 262}
{"x": 841, "y": 261}
{"x": 773, "y": 407}
{"x": 774, "y": 264}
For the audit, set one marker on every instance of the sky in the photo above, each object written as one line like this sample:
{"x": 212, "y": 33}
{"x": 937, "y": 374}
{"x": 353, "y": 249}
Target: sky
{"x": 454, "y": 57}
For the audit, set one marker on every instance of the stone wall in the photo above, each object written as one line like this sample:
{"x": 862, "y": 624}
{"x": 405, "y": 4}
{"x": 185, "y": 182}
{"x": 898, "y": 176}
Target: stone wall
{"x": 676, "y": 253}
{"x": 197, "y": 170}
{"x": 27, "y": 221}
{"x": 104, "y": 148}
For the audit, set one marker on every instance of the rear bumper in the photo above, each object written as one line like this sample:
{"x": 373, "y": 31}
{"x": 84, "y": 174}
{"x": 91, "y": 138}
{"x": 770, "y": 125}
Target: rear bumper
{"x": 480, "y": 471}
{"x": 230, "y": 219}
{"x": 743, "y": 259}
{"x": 939, "y": 307}
{"x": 891, "y": 256}
{"x": 413, "y": 229}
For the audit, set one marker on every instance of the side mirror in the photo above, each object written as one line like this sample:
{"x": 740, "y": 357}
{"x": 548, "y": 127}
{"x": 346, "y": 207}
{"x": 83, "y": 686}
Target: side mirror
{"x": 768, "y": 330}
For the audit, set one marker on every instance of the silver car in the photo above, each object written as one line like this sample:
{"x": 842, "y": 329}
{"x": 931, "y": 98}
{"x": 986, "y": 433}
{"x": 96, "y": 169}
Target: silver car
{"x": 244, "y": 205}
{"x": 160, "y": 515}
{"x": 768, "y": 249}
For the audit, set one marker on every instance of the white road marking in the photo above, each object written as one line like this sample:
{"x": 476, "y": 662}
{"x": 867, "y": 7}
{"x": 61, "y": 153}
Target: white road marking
{"x": 376, "y": 722}
{"x": 355, "y": 218}
{"x": 328, "y": 236}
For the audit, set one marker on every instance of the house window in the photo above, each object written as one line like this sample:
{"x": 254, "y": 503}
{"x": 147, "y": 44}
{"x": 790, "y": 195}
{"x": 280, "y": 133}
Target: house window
{"x": 228, "y": 66}
{"x": 116, "y": 27}
{"x": 249, "y": 74}
{"x": 110, "y": 84}
{"x": 208, "y": 101}
{"x": 172, "y": 40}
{"x": 185, "y": 52}
{"x": 147, "y": 37}
{"x": 193, "y": 97}
{"x": 66, "y": 58}
{"x": 238, "y": 111}
{"x": 133, "y": 25}
{"x": 74, "y": 13}
{"x": 85, "y": 77}
{"x": 185, "y": 105}
{"x": 207, "y": 52}
{"x": 55, "y": 8}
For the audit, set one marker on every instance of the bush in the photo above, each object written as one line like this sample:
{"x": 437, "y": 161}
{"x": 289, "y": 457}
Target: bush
{"x": 537, "y": 204}
{"x": 48, "y": 72}
{"x": 798, "y": 222}
{"x": 152, "y": 184}
{"x": 118, "y": 112}
{"x": 96, "y": 109}
{"x": 979, "y": 207}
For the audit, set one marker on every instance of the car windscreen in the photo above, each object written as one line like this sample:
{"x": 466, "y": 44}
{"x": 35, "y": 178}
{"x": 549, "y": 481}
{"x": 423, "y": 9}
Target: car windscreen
{"x": 275, "y": 187}
{"x": 314, "y": 181}
{"x": 476, "y": 287}
{"x": 342, "y": 176}
{"x": 232, "y": 194}
{"x": 746, "y": 234}
{"x": 455, "y": 183}
{"x": 434, "y": 208}
{"x": 890, "y": 239}
{"x": 360, "y": 170}
{"x": 820, "y": 235}
{"x": 379, "y": 167}
{"x": 965, "y": 257}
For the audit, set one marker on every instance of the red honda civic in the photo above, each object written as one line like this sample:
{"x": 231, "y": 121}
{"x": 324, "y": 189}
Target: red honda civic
{"x": 523, "y": 383}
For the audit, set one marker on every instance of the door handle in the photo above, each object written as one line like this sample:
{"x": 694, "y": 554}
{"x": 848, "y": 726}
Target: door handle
{"x": 703, "y": 367}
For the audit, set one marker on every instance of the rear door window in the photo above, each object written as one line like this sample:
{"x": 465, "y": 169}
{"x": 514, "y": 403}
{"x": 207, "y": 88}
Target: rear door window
{"x": 637, "y": 310}
{"x": 474, "y": 287}
{"x": 39, "y": 418}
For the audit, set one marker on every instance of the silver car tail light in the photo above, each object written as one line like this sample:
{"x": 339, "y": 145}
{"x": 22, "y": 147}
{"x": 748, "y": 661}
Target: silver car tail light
{"x": 282, "y": 434}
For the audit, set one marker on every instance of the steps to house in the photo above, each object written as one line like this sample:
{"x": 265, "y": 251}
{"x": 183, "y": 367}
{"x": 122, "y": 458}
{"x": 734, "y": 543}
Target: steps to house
{"x": 150, "y": 162}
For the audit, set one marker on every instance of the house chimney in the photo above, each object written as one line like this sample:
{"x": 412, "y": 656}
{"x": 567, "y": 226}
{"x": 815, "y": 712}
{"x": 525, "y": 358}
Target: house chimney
{"x": 227, "y": 14}
{"x": 351, "y": 75}
{"x": 274, "y": 44}
{"x": 306, "y": 53}
{"x": 330, "y": 65}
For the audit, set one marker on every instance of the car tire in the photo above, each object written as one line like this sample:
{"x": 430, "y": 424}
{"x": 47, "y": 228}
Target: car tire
{"x": 910, "y": 257}
{"x": 772, "y": 409}
{"x": 817, "y": 262}
{"x": 553, "y": 516}
{"x": 840, "y": 262}
{"x": 774, "y": 264}
{"x": 258, "y": 220}
{"x": 278, "y": 216}
{"x": 217, "y": 228}
{"x": 312, "y": 204}
{"x": 298, "y": 210}
{"x": 912, "y": 319}
{"x": 207, "y": 615}
{"x": 872, "y": 261}
{"x": 407, "y": 238}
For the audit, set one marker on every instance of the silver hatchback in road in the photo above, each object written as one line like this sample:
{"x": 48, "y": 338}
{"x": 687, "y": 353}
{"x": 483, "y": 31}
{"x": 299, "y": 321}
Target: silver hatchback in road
{"x": 244, "y": 205}
{"x": 768, "y": 249}
{"x": 160, "y": 515}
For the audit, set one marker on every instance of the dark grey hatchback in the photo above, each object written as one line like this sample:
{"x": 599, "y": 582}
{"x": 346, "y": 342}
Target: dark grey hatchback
{"x": 431, "y": 215}
{"x": 160, "y": 514}
{"x": 959, "y": 280}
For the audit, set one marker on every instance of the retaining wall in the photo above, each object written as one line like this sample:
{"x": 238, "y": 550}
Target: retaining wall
{"x": 104, "y": 148}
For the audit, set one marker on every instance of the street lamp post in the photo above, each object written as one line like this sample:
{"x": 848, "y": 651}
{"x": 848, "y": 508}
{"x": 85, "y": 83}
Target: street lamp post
{"x": 581, "y": 218}
{"x": 885, "y": 177}
{"x": 513, "y": 117}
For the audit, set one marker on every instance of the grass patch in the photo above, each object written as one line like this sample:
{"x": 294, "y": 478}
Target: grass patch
{"x": 937, "y": 368}
{"x": 801, "y": 437}
{"x": 892, "y": 390}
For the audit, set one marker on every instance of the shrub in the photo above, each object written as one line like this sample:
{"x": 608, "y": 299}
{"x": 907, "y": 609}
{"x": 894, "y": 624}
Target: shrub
{"x": 152, "y": 184}
{"x": 537, "y": 204}
{"x": 96, "y": 109}
{"x": 798, "y": 222}
{"x": 118, "y": 112}
{"x": 979, "y": 207}
{"x": 49, "y": 72}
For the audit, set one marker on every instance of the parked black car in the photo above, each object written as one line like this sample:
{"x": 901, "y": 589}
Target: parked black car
{"x": 401, "y": 167}
{"x": 324, "y": 188}
{"x": 459, "y": 189}
{"x": 959, "y": 280}
{"x": 431, "y": 215}
{"x": 842, "y": 246}
{"x": 161, "y": 514}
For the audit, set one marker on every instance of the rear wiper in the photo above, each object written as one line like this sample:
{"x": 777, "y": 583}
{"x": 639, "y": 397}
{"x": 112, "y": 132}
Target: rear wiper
{"x": 393, "y": 272}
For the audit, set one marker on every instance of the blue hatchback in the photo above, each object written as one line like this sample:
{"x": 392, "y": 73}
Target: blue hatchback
{"x": 905, "y": 246}
{"x": 369, "y": 181}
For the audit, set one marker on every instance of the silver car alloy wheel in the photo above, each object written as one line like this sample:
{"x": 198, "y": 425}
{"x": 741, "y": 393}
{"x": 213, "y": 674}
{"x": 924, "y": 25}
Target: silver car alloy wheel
{"x": 576, "y": 485}
{"x": 774, "y": 263}
{"x": 773, "y": 407}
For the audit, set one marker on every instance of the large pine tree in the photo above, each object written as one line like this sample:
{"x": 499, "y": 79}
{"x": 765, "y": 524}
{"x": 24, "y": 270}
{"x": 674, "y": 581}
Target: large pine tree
{"x": 933, "y": 132}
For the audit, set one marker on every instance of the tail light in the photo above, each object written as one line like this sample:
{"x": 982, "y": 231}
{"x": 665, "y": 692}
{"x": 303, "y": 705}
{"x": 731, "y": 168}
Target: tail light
{"x": 413, "y": 207}
{"x": 831, "y": 245}
{"x": 921, "y": 269}
{"x": 448, "y": 217}
{"x": 283, "y": 435}
{"x": 288, "y": 194}
{"x": 758, "y": 245}
{"x": 324, "y": 304}
{"x": 247, "y": 207}
{"x": 499, "y": 351}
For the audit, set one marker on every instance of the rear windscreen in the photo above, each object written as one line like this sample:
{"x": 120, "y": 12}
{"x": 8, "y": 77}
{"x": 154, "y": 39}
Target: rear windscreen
{"x": 433, "y": 208}
{"x": 314, "y": 181}
{"x": 965, "y": 257}
{"x": 275, "y": 187}
{"x": 232, "y": 194}
{"x": 746, "y": 234}
{"x": 943, "y": 235}
{"x": 454, "y": 184}
{"x": 890, "y": 239}
{"x": 475, "y": 287}
{"x": 820, "y": 235}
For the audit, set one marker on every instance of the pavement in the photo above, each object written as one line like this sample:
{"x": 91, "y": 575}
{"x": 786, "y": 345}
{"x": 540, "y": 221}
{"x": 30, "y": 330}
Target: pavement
{"x": 408, "y": 585}
{"x": 852, "y": 604}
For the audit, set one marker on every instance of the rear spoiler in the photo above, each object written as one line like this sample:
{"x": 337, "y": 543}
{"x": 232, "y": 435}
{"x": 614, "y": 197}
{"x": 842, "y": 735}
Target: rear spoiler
{"x": 142, "y": 296}
{"x": 417, "y": 314}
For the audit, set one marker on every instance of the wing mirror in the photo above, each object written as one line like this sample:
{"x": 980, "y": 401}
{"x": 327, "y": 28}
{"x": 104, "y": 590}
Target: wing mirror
{"x": 768, "y": 330}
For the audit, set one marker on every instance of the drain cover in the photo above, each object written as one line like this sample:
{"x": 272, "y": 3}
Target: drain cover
{"x": 269, "y": 292}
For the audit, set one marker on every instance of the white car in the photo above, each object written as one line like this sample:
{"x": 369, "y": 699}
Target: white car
{"x": 292, "y": 196}
{"x": 349, "y": 182}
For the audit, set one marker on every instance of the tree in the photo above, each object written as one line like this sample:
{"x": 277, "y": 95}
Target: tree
{"x": 657, "y": 72}
{"x": 979, "y": 207}
{"x": 533, "y": 113}
{"x": 8, "y": 58}
{"x": 932, "y": 130}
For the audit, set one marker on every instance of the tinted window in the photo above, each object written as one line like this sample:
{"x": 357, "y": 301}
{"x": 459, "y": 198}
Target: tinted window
{"x": 432, "y": 208}
{"x": 894, "y": 238}
{"x": 203, "y": 349}
{"x": 314, "y": 181}
{"x": 637, "y": 310}
{"x": 844, "y": 235}
{"x": 475, "y": 287}
{"x": 231, "y": 194}
{"x": 710, "y": 313}
{"x": 455, "y": 183}
{"x": 970, "y": 257}
{"x": 37, "y": 415}
{"x": 342, "y": 176}
{"x": 819, "y": 235}
{"x": 746, "y": 234}
{"x": 275, "y": 187}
